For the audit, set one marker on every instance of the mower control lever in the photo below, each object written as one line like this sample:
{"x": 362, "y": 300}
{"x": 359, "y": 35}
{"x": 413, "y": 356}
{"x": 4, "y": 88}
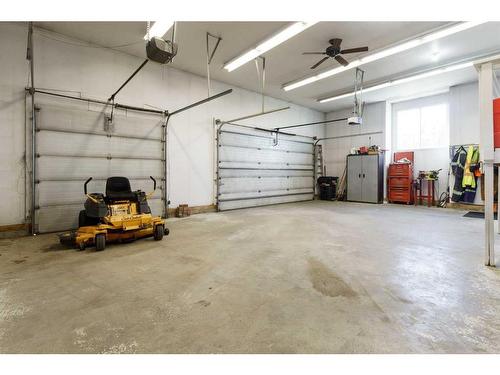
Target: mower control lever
{"x": 154, "y": 187}
{"x": 85, "y": 191}
{"x": 85, "y": 185}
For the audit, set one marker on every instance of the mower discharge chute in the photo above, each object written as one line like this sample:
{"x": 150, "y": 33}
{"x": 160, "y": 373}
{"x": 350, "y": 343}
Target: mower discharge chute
{"x": 119, "y": 216}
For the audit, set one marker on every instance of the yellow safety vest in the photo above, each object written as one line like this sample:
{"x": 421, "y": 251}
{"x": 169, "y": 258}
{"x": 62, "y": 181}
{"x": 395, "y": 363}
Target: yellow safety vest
{"x": 472, "y": 158}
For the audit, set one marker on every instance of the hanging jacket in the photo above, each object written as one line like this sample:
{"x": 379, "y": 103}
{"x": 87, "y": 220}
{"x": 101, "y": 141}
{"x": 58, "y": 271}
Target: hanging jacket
{"x": 471, "y": 162}
{"x": 457, "y": 168}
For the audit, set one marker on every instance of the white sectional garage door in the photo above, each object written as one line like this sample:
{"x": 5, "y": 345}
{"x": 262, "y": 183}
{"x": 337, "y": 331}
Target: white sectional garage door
{"x": 73, "y": 144}
{"x": 252, "y": 171}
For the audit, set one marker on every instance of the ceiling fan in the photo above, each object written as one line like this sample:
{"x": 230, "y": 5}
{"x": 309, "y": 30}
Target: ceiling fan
{"x": 334, "y": 51}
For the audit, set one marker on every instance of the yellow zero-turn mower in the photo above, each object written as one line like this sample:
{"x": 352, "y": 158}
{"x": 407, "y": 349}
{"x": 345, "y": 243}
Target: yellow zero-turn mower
{"x": 122, "y": 215}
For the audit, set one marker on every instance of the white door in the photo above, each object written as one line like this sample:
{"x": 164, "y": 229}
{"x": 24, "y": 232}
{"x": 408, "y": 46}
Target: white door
{"x": 370, "y": 178}
{"x": 354, "y": 178}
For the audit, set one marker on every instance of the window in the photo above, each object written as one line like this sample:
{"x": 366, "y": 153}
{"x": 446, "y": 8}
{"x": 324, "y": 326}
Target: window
{"x": 421, "y": 126}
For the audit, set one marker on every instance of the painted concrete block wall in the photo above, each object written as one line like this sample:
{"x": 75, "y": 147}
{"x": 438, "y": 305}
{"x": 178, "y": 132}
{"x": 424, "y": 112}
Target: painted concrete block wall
{"x": 96, "y": 73}
{"x": 464, "y": 129}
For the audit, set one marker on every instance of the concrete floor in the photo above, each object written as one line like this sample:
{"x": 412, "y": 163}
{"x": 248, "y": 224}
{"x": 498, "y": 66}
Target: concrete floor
{"x": 312, "y": 277}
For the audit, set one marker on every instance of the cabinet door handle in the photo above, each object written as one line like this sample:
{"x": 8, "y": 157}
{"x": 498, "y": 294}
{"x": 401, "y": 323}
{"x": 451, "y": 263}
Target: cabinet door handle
{"x": 363, "y": 175}
{"x": 359, "y": 175}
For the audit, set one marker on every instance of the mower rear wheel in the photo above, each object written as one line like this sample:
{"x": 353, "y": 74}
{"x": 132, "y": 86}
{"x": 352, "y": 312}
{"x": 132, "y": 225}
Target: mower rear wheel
{"x": 100, "y": 242}
{"x": 158, "y": 232}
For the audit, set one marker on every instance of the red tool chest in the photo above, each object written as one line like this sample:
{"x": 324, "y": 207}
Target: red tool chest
{"x": 400, "y": 180}
{"x": 496, "y": 122}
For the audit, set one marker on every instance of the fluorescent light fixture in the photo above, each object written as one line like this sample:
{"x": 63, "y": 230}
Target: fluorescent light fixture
{"x": 384, "y": 53}
{"x": 396, "y": 82}
{"x": 282, "y": 36}
{"x": 159, "y": 29}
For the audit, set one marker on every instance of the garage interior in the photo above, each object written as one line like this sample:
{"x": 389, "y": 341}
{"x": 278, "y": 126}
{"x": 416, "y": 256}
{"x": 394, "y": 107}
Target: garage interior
{"x": 321, "y": 187}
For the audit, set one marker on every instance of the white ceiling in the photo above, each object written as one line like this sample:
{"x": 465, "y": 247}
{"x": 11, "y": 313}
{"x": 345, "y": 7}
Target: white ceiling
{"x": 285, "y": 62}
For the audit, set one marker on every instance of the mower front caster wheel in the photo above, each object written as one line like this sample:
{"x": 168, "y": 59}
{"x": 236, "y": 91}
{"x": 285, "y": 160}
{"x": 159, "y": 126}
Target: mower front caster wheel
{"x": 159, "y": 232}
{"x": 100, "y": 242}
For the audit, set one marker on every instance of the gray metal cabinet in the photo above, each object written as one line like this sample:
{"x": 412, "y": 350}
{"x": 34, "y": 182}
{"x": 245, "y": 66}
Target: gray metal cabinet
{"x": 365, "y": 178}
{"x": 354, "y": 178}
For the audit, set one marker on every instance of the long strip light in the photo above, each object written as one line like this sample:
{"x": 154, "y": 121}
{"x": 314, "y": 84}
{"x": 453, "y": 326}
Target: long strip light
{"x": 282, "y": 36}
{"x": 396, "y": 82}
{"x": 384, "y": 53}
{"x": 158, "y": 29}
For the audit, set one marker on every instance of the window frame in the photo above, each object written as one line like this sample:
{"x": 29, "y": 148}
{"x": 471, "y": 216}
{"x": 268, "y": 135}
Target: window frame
{"x": 440, "y": 99}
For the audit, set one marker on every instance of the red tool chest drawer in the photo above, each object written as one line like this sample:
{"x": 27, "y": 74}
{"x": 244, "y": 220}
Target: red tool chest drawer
{"x": 399, "y": 182}
{"x": 399, "y": 169}
{"x": 400, "y": 195}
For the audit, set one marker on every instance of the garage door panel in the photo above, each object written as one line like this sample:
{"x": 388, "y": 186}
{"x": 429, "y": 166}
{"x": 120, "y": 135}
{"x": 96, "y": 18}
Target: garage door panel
{"x": 135, "y": 148}
{"x": 131, "y": 167}
{"x": 263, "y": 184}
{"x": 61, "y": 168}
{"x": 264, "y": 142}
{"x": 68, "y": 117}
{"x": 237, "y": 204}
{"x": 237, "y": 173}
{"x": 57, "y": 143}
{"x": 59, "y": 218}
{"x": 75, "y": 116}
{"x": 253, "y": 171}
{"x": 71, "y": 144}
{"x": 245, "y": 154}
{"x": 267, "y": 193}
{"x": 252, "y": 165}
{"x": 145, "y": 126}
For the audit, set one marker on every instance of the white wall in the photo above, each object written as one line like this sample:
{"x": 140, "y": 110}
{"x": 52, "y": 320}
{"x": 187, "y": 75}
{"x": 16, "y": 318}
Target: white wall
{"x": 464, "y": 114}
{"x": 96, "y": 73}
{"x": 464, "y": 129}
{"x": 13, "y": 79}
{"x": 336, "y": 150}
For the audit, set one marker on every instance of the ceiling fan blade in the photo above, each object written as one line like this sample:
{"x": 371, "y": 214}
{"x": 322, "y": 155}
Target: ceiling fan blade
{"x": 341, "y": 60}
{"x": 320, "y": 62}
{"x": 335, "y": 42}
{"x": 314, "y": 53}
{"x": 354, "y": 50}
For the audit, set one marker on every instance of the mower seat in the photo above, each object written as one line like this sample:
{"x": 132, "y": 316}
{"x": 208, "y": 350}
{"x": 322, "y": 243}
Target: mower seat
{"x": 118, "y": 189}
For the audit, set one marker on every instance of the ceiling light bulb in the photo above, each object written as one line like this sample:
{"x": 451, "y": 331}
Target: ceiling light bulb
{"x": 280, "y": 37}
{"x": 158, "y": 29}
{"x": 399, "y": 81}
{"x": 435, "y": 56}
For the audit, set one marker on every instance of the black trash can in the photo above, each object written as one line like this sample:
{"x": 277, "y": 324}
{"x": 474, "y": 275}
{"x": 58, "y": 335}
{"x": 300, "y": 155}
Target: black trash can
{"x": 327, "y": 188}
